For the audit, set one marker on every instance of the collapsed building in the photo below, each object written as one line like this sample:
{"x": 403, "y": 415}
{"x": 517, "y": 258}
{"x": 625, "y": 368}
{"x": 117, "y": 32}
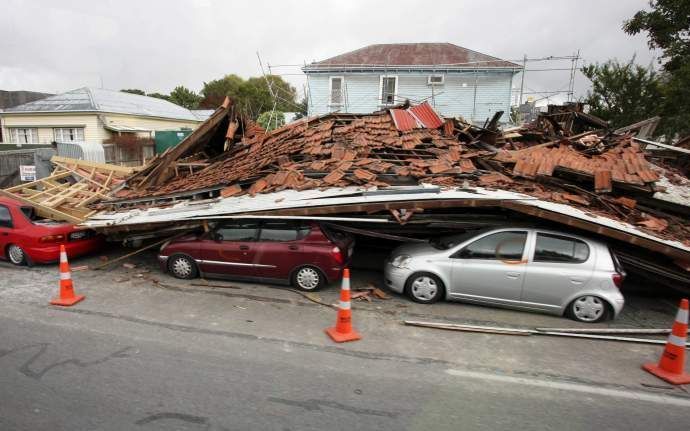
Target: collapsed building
{"x": 405, "y": 172}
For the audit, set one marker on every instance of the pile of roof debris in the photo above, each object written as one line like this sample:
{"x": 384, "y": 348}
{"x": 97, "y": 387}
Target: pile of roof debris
{"x": 407, "y": 164}
{"x": 566, "y": 156}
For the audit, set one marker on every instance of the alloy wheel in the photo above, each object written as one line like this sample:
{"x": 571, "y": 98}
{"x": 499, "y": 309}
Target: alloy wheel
{"x": 16, "y": 254}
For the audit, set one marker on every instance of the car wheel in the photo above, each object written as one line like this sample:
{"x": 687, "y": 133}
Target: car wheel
{"x": 308, "y": 278}
{"x": 424, "y": 288}
{"x": 16, "y": 254}
{"x": 181, "y": 266}
{"x": 589, "y": 309}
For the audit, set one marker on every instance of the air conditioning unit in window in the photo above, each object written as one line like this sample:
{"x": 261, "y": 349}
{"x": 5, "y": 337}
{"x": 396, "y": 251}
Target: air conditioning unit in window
{"x": 435, "y": 80}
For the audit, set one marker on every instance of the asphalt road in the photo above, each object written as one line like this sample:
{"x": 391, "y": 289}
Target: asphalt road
{"x": 77, "y": 369}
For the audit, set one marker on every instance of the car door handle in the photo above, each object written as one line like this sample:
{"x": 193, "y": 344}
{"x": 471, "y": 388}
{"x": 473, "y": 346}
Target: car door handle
{"x": 576, "y": 280}
{"x": 244, "y": 247}
{"x": 512, "y": 274}
{"x": 292, "y": 247}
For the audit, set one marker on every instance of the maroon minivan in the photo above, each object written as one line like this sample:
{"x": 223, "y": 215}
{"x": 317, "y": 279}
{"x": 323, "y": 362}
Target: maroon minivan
{"x": 302, "y": 253}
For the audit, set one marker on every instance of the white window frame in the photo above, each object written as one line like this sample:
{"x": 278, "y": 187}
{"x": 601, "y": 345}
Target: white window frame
{"x": 61, "y": 134}
{"x": 13, "y": 133}
{"x": 331, "y": 102}
{"x": 395, "y": 94}
{"x": 436, "y": 75}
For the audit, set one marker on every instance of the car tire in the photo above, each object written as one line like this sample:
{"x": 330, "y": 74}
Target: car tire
{"x": 424, "y": 288}
{"x": 588, "y": 309}
{"x": 16, "y": 255}
{"x": 182, "y": 266}
{"x": 308, "y": 279}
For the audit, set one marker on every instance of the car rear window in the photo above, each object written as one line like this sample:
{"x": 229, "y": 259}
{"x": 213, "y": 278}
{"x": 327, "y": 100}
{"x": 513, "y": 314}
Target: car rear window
{"x": 280, "y": 231}
{"x": 238, "y": 231}
{"x": 556, "y": 248}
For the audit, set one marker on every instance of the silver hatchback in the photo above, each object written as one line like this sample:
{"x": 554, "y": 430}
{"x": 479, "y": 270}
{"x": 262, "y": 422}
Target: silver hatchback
{"x": 522, "y": 268}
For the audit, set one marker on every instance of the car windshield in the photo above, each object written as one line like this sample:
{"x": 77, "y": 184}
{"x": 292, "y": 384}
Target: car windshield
{"x": 450, "y": 241}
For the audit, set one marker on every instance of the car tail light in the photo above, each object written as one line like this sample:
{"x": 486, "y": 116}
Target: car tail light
{"x": 618, "y": 279}
{"x": 52, "y": 238}
{"x": 337, "y": 255}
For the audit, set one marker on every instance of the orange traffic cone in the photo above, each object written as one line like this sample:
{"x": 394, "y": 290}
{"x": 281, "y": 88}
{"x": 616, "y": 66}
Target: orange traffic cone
{"x": 67, "y": 296}
{"x": 342, "y": 331}
{"x": 670, "y": 367}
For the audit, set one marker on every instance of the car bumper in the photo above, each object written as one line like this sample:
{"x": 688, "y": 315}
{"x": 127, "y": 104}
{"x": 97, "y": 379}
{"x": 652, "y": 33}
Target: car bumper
{"x": 51, "y": 253}
{"x": 617, "y": 305}
{"x": 395, "y": 278}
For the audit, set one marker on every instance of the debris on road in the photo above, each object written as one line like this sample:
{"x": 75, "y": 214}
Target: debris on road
{"x": 517, "y": 331}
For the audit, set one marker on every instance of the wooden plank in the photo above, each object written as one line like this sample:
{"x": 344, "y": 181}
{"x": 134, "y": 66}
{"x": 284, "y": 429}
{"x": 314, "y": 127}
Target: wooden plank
{"x": 39, "y": 182}
{"x": 84, "y": 164}
{"x": 44, "y": 211}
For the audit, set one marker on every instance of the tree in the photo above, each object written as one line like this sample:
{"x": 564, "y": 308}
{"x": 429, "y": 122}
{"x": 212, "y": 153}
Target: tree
{"x": 214, "y": 92}
{"x": 668, "y": 28}
{"x": 134, "y": 91}
{"x": 251, "y": 96}
{"x": 271, "y": 120}
{"x": 185, "y": 97}
{"x": 623, "y": 93}
{"x": 159, "y": 96}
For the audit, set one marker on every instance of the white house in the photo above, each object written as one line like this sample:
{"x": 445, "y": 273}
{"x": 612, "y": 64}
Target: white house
{"x": 455, "y": 80}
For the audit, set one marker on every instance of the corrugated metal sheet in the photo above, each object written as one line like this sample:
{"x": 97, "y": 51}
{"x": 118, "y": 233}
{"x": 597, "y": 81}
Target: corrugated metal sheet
{"x": 403, "y": 120}
{"x": 426, "y": 115}
{"x": 415, "y": 117}
{"x": 88, "y": 99}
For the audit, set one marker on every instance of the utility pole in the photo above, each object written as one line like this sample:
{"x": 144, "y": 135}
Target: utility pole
{"x": 522, "y": 80}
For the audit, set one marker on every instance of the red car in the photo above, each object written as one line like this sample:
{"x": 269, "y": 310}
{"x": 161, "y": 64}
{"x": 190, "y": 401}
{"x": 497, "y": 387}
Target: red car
{"x": 27, "y": 239}
{"x": 304, "y": 254}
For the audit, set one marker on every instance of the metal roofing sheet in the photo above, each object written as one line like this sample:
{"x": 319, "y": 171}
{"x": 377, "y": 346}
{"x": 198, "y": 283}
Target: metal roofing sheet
{"x": 350, "y": 195}
{"x": 403, "y": 120}
{"x": 89, "y": 99}
{"x": 416, "y": 117}
{"x": 426, "y": 115}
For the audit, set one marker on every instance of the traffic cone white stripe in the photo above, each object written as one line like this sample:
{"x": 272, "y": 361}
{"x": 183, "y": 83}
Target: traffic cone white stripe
{"x": 63, "y": 256}
{"x": 65, "y": 275}
{"x": 346, "y": 284}
{"x": 344, "y": 305}
{"x": 682, "y": 316}
{"x": 676, "y": 340}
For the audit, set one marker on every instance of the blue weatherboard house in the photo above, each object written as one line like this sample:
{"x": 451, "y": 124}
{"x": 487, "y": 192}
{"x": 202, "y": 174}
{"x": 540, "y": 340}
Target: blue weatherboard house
{"x": 456, "y": 81}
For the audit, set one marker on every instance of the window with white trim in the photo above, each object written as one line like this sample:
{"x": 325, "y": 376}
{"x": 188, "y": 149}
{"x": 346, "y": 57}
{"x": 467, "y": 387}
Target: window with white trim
{"x": 435, "y": 80}
{"x": 337, "y": 85}
{"x": 389, "y": 89}
{"x": 21, "y": 135}
{"x": 69, "y": 134}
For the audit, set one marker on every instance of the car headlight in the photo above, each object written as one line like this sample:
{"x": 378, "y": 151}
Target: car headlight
{"x": 401, "y": 261}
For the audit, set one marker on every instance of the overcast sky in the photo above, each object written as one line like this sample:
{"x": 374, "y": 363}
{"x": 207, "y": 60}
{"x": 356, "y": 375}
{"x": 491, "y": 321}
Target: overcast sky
{"x": 54, "y": 46}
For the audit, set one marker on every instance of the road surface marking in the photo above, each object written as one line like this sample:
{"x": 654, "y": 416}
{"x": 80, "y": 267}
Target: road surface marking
{"x": 575, "y": 387}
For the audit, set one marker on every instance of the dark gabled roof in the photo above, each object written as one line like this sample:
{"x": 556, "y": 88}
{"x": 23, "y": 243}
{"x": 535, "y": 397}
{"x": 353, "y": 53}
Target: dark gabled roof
{"x": 412, "y": 55}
